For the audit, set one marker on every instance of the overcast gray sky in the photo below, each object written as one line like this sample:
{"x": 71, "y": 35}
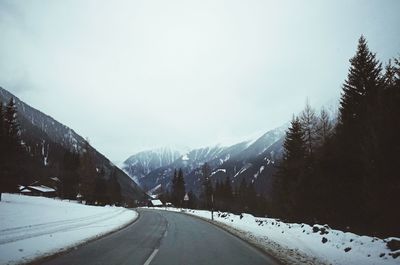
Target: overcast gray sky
{"x": 134, "y": 75}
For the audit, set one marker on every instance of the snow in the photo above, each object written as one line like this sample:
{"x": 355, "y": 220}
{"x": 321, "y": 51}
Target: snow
{"x": 55, "y": 179}
{"x": 156, "y": 203}
{"x": 42, "y": 188}
{"x": 218, "y": 170}
{"x": 153, "y": 190}
{"x": 185, "y": 157}
{"x": 243, "y": 169}
{"x": 258, "y": 172}
{"x": 303, "y": 244}
{"x": 31, "y": 227}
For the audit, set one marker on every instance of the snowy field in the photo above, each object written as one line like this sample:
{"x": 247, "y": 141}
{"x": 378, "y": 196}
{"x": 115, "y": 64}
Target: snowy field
{"x": 304, "y": 244}
{"x": 31, "y": 227}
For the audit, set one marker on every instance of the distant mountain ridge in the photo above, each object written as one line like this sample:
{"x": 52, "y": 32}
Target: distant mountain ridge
{"x": 40, "y": 131}
{"x": 252, "y": 160}
{"x": 139, "y": 165}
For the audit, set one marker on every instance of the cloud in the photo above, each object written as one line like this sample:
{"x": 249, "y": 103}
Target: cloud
{"x": 133, "y": 75}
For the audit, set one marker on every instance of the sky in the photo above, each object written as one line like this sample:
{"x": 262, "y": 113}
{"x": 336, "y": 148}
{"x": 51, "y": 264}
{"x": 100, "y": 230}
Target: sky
{"x": 137, "y": 75}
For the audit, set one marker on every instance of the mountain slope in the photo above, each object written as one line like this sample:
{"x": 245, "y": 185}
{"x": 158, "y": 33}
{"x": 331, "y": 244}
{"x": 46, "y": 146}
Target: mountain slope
{"x": 49, "y": 138}
{"x": 254, "y": 161}
{"x": 139, "y": 165}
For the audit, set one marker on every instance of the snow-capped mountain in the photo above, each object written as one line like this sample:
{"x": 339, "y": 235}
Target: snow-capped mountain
{"x": 252, "y": 160}
{"x": 45, "y": 136}
{"x": 139, "y": 165}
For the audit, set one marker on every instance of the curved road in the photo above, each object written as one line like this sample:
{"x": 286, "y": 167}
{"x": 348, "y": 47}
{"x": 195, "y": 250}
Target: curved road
{"x": 161, "y": 237}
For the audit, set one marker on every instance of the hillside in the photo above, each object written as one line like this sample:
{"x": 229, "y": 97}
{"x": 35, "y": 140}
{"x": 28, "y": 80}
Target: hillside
{"x": 47, "y": 140}
{"x": 252, "y": 160}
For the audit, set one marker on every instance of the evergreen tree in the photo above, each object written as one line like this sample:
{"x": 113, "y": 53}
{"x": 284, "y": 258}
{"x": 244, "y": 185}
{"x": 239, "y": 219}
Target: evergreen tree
{"x": 227, "y": 194}
{"x": 218, "y": 195}
{"x": 357, "y": 130}
{"x": 11, "y": 152}
{"x": 192, "y": 204}
{"x": 362, "y": 83}
{"x": 2, "y": 128}
{"x": 181, "y": 187}
{"x": 251, "y": 197}
{"x": 114, "y": 189}
{"x": 2, "y": 149}
{"x": 178, "y": 188}
{"x": 207, "y": 186}
{"x": 174, "y": 196}
{"x": 381, "y": 151}
{"x": 242, "y": 195}
{"x": 324, "y": 127}
{"x": 88, "y": 174}
{"x": 100, "y": 190}
{"x": 11, "y": 124}
{"x": 291, "y": 171}
{"x": 70, "y": 175}
{"x": 309, "y": 122}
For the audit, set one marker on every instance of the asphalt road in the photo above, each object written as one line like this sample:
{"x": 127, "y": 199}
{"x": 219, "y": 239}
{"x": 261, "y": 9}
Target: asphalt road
{"x": 161, "y": 238}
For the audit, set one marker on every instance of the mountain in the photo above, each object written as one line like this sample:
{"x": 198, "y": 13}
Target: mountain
{"x": 44, "y": 136}
{"x": 252, "y": 160}
{"x": 139, "y": 165}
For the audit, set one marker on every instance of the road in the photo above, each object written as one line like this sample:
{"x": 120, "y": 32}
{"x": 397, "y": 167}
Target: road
{"x": 160, "y": 238}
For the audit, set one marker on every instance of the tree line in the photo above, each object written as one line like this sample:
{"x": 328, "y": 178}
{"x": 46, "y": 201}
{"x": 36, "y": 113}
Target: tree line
{"x": 82, "y": 179}
{"x": 217, "y": 195}
{"x": 343, "y": 171}
{"x": 22, "y": 163}
{"x": 340, "y": 170}
{"x": 10, "y": 149}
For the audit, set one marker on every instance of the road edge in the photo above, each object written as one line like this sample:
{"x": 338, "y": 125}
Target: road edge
{"x": 240, "y": 235}
{"x": 276, "y": 253}
{"x": 41, "y": 259}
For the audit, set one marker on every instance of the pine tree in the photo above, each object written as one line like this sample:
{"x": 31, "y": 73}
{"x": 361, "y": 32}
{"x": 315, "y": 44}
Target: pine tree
{"x": 192, "y": 204}
{"x": 251, "y": 198}
{"x": 174, "y": 190}
{"x": 70, "y": 175}
{"x": 242, "y": 194}
{"x": 2, "y": 127}
{"x": 100, "y": 190}
{"x": 178, "y": 188}
{"x": 11, "y": 153}
{"x": 227, "y": 194}
{"x": 207, "y": 186}
{"x": 181, "y": 187}
{"x": 87, "y": 174}
{"x": 114, "y": 189}
{"x": 356, "y": 134}
{"x": 360, "y": 87}
{"x": 11, "y": 124}
{"x": 324, "y": 127}
{"x": 287, "y": 190}
{"x": 2, "y": 149}
{"x": 382, "y": 179}
{"x": 309, "y": 122}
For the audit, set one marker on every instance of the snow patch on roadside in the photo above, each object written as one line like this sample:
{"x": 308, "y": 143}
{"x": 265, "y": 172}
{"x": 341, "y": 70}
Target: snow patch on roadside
{"x": 293, "y": 243}
{"x": 33, "y": 227}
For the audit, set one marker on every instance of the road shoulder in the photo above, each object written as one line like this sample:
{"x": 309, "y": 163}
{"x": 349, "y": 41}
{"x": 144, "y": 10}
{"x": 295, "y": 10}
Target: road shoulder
{"x": 273, "y": 250}
{"x": 42, "y": 259}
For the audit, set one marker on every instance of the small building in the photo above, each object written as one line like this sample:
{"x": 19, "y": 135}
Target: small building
{"x": 155, "y": 203}
{"x": 51, "y": 182}
{"x": 38, "y": 190}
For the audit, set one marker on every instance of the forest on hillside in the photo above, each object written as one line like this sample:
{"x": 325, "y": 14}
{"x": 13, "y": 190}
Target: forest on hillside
{"x": 24, "y": 163}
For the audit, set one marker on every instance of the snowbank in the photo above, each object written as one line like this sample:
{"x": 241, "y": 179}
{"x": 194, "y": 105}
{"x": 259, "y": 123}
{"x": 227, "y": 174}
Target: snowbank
{"x": 303, "y": 244}
{"x": 31, "y": 227}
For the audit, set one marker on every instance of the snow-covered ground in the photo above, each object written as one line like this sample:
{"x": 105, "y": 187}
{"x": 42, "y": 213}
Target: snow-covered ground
{"x": 303, "y": 244}
{"x": 31, "y": 227}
